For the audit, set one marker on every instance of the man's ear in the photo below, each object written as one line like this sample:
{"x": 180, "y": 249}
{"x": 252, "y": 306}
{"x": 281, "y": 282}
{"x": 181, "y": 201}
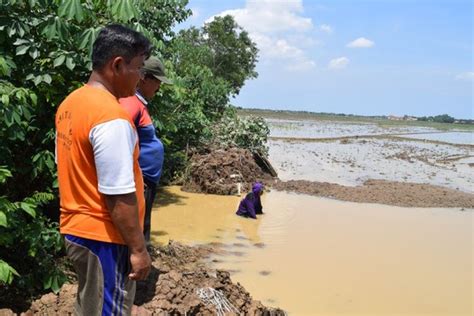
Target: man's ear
{"x": 117, "y": 64}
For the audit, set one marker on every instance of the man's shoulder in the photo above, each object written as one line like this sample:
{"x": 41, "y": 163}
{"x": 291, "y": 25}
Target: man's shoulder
{"x": 132, "y": 101}
{"x": 92, "y": 105}
{"x": 87, "y": 96}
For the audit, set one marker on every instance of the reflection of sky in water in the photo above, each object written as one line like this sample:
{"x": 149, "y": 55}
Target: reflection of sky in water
{"x": 323, "y": 129}
{"x": 449, "y": 137}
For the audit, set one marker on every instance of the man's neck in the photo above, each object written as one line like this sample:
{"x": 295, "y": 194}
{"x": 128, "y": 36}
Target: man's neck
{"x": 141, "y": 97}
{"x": 98, "y": 81}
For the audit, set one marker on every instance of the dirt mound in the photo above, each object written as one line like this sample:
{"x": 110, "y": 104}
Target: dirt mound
{"x": 220, "y": 171}
{"x": 173, "y": 286}
{"x": 383, "y": 192}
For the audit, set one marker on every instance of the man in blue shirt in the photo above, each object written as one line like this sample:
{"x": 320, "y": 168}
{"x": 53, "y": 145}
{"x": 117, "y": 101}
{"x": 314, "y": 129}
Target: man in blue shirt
{"x": 151, "y": 149}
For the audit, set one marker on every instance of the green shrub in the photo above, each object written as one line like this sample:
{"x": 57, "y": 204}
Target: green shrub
{"x": 44, "y": 54}
{"x": 45, "y": 48}
{"x": 28, "y": 244}
{"x": 244, "y": 132}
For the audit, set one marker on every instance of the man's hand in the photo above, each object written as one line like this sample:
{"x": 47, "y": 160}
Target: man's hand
{"x": 141, "y": 265}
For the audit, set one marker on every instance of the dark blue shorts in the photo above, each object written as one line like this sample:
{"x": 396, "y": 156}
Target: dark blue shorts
{"x": 102, "y": 269}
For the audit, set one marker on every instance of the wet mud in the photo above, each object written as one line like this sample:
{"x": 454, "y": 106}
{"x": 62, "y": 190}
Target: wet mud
{"x": 352, "y": 162}
{"x": 383, "y": 192}
{"x": 224, "y": 172}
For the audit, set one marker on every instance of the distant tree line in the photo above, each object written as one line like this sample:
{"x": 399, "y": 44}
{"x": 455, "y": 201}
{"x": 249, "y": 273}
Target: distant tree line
{"x": 444, "y": 118}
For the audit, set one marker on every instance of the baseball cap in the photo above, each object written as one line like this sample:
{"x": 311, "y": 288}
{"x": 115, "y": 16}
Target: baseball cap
{"x": 155, "y": 67}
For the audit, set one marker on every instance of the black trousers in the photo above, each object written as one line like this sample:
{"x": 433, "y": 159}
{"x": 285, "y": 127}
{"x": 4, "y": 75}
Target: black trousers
{"x": 150, "y": 193}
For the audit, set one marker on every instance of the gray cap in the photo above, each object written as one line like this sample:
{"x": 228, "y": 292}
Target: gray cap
{"x": 154, "y": 67}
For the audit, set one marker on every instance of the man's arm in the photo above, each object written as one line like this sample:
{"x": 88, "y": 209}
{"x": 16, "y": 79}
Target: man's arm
{"x": 124, "y": 212}
{"x": 113, "y": 143}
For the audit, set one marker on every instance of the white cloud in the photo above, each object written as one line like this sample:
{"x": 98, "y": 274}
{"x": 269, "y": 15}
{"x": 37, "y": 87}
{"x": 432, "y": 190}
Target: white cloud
{"x": 267, "y": 16}
{"x": 361, "y": 42}
{"x": 326, "y": 28}
{"x": 466, "y": 76}
{"x": 272, "y": 25}
{"x": 280, "y": 50}
{"x": 338, "y": 63}
{"x": 195, "y": 13}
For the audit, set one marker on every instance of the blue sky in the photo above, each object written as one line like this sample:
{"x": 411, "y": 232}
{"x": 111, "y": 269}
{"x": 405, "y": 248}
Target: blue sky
{"x": 361, "y": 57}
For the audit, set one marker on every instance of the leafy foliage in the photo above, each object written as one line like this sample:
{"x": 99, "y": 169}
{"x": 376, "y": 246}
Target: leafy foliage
{"x": 244, "y": 132}
{"x": 28, "y": 244}
{"x": 45, "y": 48}
{"x": 208, "y": 65}
{"x": 44, "y": 54}
{"x": 445, "y": 118}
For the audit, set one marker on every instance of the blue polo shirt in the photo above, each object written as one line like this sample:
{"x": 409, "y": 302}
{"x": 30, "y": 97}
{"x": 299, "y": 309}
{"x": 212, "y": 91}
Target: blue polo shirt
{"x": 151, "y": 149}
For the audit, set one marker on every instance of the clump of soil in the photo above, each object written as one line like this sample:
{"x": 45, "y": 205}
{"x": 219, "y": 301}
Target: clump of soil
{"x": 383, "y": 192}
{"x": 171, "y": 289}
{"x": 219, "y": 172}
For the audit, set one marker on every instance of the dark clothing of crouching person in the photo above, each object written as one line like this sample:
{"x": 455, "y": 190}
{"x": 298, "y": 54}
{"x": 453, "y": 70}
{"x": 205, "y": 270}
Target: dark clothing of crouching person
{"x": 251, "y": 205}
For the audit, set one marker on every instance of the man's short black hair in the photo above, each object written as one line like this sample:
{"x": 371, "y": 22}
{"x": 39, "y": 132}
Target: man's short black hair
{"x": 117, "y": 40}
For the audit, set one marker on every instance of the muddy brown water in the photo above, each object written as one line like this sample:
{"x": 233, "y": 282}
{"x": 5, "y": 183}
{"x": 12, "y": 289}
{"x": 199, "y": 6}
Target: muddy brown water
{"x": 316, "y": 256}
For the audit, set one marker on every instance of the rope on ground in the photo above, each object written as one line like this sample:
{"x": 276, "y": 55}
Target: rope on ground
{"x": 211, "y": 296}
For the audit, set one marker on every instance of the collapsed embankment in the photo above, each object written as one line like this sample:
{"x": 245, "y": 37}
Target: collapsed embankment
{"x": 221, "y": 171}
{"x": 180, "y": 283}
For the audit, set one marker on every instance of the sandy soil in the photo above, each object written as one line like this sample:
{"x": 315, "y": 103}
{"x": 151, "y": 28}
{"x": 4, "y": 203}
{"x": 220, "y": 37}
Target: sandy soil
{"x": 172, "y": 288}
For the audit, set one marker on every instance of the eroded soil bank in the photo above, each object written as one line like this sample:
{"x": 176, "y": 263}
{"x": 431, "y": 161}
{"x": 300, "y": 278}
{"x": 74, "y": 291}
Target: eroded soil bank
{"x": 172, "y": 288}
{"x": 221, "y": 171}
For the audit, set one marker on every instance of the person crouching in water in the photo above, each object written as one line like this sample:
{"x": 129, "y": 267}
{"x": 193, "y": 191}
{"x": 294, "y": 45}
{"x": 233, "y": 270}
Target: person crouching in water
{"x": 251, "y": 205}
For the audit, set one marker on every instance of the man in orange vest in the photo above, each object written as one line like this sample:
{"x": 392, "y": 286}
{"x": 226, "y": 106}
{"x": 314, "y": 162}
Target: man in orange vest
{"x": 100, "y": 181}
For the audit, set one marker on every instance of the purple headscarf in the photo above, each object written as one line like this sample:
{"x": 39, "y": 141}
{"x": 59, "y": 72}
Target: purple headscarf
{"x": 257, "y": 188}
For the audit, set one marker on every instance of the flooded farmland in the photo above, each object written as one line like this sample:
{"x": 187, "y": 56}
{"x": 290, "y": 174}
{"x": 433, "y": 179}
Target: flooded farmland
{"x": 317, "y": 256}
{"x": 327, "y": 157}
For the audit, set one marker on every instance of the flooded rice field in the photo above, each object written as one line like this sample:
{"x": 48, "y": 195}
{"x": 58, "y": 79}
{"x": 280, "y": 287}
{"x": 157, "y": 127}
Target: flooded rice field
{"x": 447, "y": 160}
{"x": 447, "y": 137}
{"x": 316, "y": 256}
{"x": 326, "y": 129}
{"x": 354, "y": 161}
